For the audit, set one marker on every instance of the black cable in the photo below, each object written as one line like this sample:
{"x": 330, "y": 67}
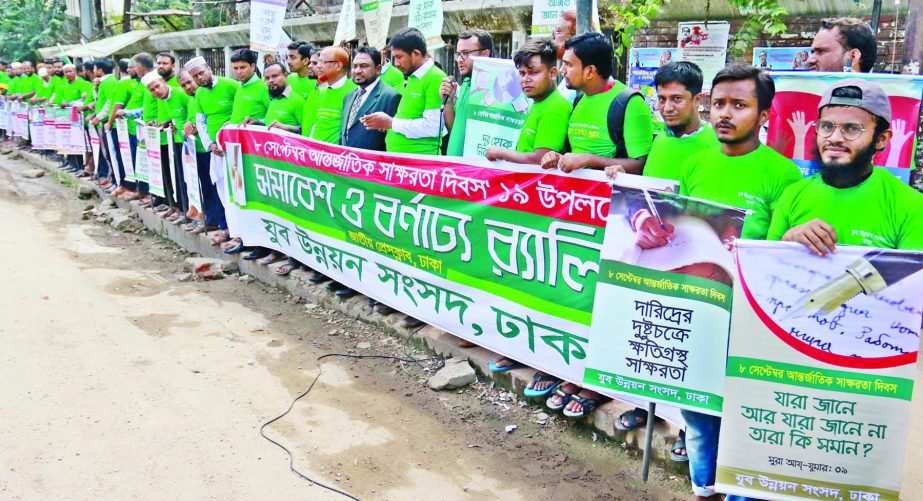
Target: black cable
{"x": 291, "y": 457}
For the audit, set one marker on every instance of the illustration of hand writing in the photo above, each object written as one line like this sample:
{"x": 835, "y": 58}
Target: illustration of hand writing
{"x": 900, "y": 136}
{"x": 649, "y": 232}
{"x": 800, "y": 129}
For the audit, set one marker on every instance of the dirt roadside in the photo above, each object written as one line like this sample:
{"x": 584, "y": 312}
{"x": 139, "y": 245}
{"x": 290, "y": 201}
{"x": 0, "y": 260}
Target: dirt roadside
{"x": 118, "y": 381}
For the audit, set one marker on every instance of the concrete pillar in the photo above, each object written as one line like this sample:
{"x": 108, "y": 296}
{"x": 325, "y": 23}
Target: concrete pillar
{"x": 519, "y": 38}
{"x": 227, "y": 62}
{"x": 198, "y": 52}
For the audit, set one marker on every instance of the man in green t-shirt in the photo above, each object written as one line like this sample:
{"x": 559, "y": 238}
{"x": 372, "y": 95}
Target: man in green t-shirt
{"x": 679, "y": 87}
{"x": 323, "y": 112}
{"x": 594, "y": 141}
{"x": 744, "y": 173}
{"x": 286, "y": 106}
{"x": 30, "y": 82}
{"x": 302, "y": 79}
{"x": 166, "y": 68}
{"x": 545, "y": 128}
{"x": 102, "y": 70}
{"x": 124, "y": 89}
{"x": 172, "y": 113}
{"x": 212, "y": 106}
{"x": 389, "y": 73}
{"x": 252, "y": 98}
{"x": 850, "y": 201}
{"x": 471, "y": 43}
{"x": 417, "y": 125}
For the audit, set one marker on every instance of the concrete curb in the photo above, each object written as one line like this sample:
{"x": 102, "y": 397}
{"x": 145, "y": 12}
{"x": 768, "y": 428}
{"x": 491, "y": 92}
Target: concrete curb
{"x": 602, "y": 420}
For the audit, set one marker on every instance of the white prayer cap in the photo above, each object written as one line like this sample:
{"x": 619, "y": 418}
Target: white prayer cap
{"x": 195, "y": 62}
{"x": 43, "y": 72}
{"x": 150, "y": 77}
{"x": 69, "y": 65}
{"x": 16, "y": 64}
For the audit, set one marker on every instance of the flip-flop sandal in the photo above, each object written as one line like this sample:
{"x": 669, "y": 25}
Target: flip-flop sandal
{"x": 285, "y": 269}
{"x": 496, "y": 368}
{"x": 632, "y": 418}
{"x": 565, "y": 398}
{"x": 271, "y": 258}
{"x": 675, "y": 456}
{"x": 541, "y": 378}
{"x": 234, "y": 249}
{"x": 587, "y": 404}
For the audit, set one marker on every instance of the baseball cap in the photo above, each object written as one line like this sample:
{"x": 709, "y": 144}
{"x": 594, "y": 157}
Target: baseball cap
{"x": 869, "y": 97}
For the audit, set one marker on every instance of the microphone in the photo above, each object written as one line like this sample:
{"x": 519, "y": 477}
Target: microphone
{"x": 445, "y": 98}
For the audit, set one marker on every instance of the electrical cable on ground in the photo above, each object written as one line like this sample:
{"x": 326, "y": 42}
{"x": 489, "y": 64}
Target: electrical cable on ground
{"x": 291, "y": 457}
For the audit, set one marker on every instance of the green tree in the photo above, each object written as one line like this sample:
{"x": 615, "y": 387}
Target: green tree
{"x": 26, "y": 25}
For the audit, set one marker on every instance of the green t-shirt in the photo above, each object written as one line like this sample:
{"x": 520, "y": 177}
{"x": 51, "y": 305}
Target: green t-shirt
{"x": 546, "y": 124}
{"x": 588, "y": 130}
{"x": 420, "y": 94}
{"x": 754, "y": 181}
{"x": 216, "y": 103}
{"x": 393, "y": 77}
{"x": 287, "y": 109}
{"x": 68, "y": 92}
{"x": 124, "y": 92}
{"x": 30, "y": 84}
{"x": 104, "y": 96}
{"x": 456, "y": 146}
{"x": 304, "y": 87}
{"x": 323, "y": 113}
{"x": 4, "y": 78}
{"x": 878, "y": 212}
{"x": 668, "y": 152}
{"x": 44, "y": 90}
{"x": 176, "y": 108}
{"x": 251, "y": 100}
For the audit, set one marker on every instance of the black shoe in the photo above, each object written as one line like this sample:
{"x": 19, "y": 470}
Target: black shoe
{"x": 383, "y": 309}
{"x": 318, "y": 278}
{"x": 346, "y": 293}
{"x": 335, "y": 286}
{"x": 412, "y": 323}
{"x": 255, "y": 254}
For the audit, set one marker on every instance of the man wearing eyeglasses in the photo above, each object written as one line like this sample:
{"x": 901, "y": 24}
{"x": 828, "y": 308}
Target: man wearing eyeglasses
{"x": 850, "y": 201}
{"x": 474, "y": 42}
{"x": 323, "y": 112}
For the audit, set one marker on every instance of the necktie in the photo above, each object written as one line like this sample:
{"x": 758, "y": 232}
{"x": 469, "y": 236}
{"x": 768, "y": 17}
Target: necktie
{"x": 354, "y": 110}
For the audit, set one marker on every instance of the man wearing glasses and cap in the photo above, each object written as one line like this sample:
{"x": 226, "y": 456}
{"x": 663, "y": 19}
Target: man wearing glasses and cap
{"x": 850, "y": 201}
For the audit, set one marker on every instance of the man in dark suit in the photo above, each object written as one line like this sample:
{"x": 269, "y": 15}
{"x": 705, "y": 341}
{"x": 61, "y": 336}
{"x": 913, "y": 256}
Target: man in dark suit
{"x": 370, "y": 97}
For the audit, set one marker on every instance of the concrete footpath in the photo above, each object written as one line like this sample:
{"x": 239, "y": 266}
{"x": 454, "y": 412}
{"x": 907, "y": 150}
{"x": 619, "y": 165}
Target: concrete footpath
{"x": 602, "y": 420}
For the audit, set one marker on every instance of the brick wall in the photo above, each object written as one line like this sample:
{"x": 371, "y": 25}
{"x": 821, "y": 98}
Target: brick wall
{"x": 801, "y": 31}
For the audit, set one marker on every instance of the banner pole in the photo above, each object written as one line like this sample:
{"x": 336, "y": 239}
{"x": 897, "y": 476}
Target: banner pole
{"x": 648, "y": 441}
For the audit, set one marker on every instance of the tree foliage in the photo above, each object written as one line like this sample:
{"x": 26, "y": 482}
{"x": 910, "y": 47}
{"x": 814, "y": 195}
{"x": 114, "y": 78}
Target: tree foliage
{"x": 26, "y": 25}
{"x": 762, "y": 16}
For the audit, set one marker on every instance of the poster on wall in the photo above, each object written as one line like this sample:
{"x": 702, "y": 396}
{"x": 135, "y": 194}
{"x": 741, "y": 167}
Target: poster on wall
{"x": 782, "y": 58}
{"x": 705, "y": 45}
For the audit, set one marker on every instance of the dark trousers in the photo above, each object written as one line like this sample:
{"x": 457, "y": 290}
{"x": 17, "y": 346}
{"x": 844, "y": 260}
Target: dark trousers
{"x": 180, "y": 181}
{"x": 102, "y": 170}
{"x": 167, "y": 174}
{"x": 120, "y": 164}
{"x": 214, "y": 211}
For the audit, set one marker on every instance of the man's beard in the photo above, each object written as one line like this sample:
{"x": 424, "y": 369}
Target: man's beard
{"x": 851, "y": 174}
{"x": 164, "y": 73}
{"x": 276, "y": 92}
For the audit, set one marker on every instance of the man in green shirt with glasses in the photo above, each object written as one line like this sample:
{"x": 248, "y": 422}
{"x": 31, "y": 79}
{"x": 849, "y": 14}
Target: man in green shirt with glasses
{"x": 471, "y": 43}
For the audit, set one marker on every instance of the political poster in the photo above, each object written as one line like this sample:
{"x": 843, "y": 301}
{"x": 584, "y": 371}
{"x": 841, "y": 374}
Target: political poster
{"x": 154, "y": 169}
{"x": 663, "y": 299}
{"x": 546, "y": 13}
{"x": 37, "y": 128}
{"x": 346, "y": 27}
{"x": 782, "y": 58}
{"x": 426, "y": 16}
{"x": 94, "y": 143}
{"x": 124, "y": 145}
{"x": 705, "y": 45}
{"x": 141, "y": 154}
{"x": 497, "y": 107}
{"x": 820, "y": 372}
{"x": 794, "y": 114}
{"x": 76, "y": 140}
{"x": 376, "y": 16}
{"x": 191, "y": 174}
{"x": 506, "y": 256}
{"x": 644, "y": 63}
{"x": 266, "y": 18}
{"x": 4, "y": 110}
